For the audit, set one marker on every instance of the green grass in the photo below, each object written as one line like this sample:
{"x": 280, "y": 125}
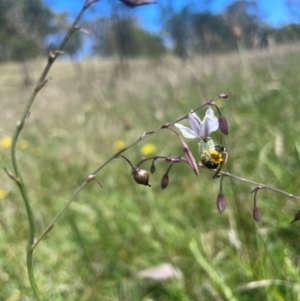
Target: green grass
{"x": 108, "y": 235}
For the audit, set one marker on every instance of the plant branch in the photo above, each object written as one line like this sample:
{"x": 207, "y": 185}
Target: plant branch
{"x": 52, "y": 223}
{"x": 223, "y": 174}
{"x": 169, "y": 159}
{"x": 114, "y": 156}
{"x": 260, "y": 185}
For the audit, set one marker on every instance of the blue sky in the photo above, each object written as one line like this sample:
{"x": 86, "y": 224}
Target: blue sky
{"x": 274, "y": 12}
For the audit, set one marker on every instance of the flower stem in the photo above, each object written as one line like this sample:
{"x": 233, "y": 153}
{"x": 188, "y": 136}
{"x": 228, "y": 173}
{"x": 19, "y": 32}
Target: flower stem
{"x": 19, "y": 180}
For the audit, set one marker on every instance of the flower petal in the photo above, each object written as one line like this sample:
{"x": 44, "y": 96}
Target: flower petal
{"x": 186, "y": 132}
{"x": 209, "y": 112}
{"x": 195, "y": 122}
{"x": 210, "y": 124}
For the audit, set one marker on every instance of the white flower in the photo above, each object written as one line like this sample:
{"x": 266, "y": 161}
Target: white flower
{"x": 199, "y": 129}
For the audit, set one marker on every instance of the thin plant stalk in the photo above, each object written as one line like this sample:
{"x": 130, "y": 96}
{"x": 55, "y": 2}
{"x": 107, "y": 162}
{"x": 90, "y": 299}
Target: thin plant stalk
{"x": 17, "y": 174}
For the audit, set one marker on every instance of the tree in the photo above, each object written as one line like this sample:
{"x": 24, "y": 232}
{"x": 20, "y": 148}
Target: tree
{"x": 243, "y": 25}
{"x": 124, "y": 37}
{"x": 210, "y": 33}
{"x": 178, "y": 26}
{"x": 23, "y": 27}
{"x": 287, "y": 33}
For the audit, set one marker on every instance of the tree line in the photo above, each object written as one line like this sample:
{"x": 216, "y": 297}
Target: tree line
{"x": 27, "y": 27}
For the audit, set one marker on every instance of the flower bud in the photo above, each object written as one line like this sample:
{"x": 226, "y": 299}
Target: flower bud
{"x": 221, "y": 202}
{"x": 152, "y": 167}
{"x": 256, "y": 214}
{"x": 223, "y": 95}
{"x": 141, "y": 176}
{"x": 90, "y": 178}
{"x": 223, "y": 125}
{"x": 189, "y": 156}
{"x": 164, "y": 181}
{"x": 297, "y": 216}
{"x": 134, "y": 3}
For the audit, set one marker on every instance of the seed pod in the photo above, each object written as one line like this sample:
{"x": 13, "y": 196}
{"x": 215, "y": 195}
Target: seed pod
{"x": 141, "y": 176}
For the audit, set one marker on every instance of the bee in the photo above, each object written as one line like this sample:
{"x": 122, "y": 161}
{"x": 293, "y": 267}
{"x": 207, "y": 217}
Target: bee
{"x": 213, "y": 156}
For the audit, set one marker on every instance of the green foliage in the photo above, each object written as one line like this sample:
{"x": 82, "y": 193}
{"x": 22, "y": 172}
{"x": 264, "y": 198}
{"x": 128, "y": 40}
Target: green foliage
{"x": 109, "y": 234}
{"x": 74, "y": 44}
{"x": 211, "y": 34}
{"x": 288, "y": 33}
{"x": 179, "y": 28}
{"x": 23, "y": 47}
{"x": 124, "y": 37}
{"x": 24, "y": 24}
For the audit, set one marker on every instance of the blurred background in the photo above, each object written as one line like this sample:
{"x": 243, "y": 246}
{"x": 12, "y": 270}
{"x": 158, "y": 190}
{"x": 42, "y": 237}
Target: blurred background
{"x": 181, "y": 28}
{"x": 130, "y": 71}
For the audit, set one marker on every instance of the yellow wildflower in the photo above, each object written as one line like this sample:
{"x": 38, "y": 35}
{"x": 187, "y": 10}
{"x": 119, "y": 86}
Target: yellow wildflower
{"x": 118, "y": 144}
{"x": 148, "y": 149}
{"x": 23, "y": 144}
{"x": 5, "y": 142}
{"x": 3, "y": 194}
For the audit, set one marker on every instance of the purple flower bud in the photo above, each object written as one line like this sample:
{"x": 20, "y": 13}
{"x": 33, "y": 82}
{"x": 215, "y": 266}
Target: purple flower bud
{"x": 164, "y": 181}
{"x": 223, "y": 125}
{"x": 297, "y": 216}
{"x": 221, "y": 202}
{"x": 134, "y": 3}
{"x": 256, "y": 214}
{"x": 141, "y": 176}
{"x": 189, "y": 156}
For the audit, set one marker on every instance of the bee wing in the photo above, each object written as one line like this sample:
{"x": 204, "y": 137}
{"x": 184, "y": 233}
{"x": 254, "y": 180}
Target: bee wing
{"x": 185, "y": 131}
{"x": 201, "y": 146}
{"x": 210, "y": 144}
{"x": 206, "y": 145}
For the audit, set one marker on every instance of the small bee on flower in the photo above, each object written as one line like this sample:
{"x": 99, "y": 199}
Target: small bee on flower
{"x": 211, "y": 156}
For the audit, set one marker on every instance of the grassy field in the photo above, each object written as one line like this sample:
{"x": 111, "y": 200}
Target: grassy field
{"x": 90, "y": 109}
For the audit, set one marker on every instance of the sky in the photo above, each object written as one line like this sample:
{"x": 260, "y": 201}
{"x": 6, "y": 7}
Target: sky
{"x": 274, "y": 12}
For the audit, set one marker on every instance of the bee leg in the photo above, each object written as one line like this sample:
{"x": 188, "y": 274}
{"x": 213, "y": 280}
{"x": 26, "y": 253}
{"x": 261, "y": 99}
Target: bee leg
{"x": 216, "y": 174}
